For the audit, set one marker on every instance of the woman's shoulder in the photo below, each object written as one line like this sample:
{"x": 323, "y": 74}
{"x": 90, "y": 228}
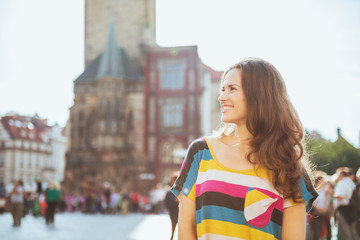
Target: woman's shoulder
{"x": 199, "y": 141}
{"x": 198, "y": 144}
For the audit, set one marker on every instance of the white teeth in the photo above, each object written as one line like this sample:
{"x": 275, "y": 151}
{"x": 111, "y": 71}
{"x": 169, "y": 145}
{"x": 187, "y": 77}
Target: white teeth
{"x": 226, "y": 108}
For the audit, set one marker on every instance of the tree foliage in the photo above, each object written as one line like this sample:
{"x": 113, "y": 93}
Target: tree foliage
{"x": 328, "y": 156}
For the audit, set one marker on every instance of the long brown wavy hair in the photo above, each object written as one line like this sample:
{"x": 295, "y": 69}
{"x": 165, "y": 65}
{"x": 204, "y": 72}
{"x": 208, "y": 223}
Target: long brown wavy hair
{"x": 277, "y": 133}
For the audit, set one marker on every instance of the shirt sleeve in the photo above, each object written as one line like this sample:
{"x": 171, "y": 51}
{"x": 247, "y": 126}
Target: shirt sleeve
{"x": 186, "y": 181}
{"x": 307, "y": 193}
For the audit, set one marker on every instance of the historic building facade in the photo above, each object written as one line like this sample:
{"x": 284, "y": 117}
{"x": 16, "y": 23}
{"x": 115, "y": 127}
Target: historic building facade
{"x": 106, "y": 136}
{"x": 173, "y": 107}
{"x": 31, "y": 149}
{"x": 137, "y": 106}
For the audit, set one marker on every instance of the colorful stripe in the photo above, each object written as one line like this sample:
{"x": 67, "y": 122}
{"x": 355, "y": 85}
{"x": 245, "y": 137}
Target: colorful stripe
{"x": 232, "y": 204}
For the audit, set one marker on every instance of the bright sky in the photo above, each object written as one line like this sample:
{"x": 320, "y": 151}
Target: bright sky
{"x": 314, "y": 44}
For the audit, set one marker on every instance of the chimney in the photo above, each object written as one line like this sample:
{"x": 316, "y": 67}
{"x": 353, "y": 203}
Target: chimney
{"x": 338, "y": 132}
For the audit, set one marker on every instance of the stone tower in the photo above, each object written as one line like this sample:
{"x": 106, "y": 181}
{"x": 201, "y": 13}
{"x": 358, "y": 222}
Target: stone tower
{"x": 134, "y": 23}
{"x": 105, "y": 137}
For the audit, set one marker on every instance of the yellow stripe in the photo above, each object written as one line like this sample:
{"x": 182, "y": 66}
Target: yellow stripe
{"x": 207, "y": 165}
{"x": 254, "y": 196}
{"x": 192, "y": 193}
{"x": 231, "y": 230}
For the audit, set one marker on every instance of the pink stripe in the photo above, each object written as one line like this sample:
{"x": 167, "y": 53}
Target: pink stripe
{"x": 233, "y": 190}
{"x": 183, "y": 164}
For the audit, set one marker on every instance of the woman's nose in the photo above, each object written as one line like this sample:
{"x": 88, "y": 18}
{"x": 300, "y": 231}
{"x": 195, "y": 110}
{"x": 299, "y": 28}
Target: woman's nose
{"x": 222, "y": 96}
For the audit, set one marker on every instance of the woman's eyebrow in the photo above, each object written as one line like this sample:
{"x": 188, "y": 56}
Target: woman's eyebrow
{"x": 231, "y": 85}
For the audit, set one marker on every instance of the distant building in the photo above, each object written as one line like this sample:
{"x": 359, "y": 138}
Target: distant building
{"x": 173, "y": 106}
{"x": 211, "y": 116}
{"x": 30, "y": 149}
{"x": 137, "y": 105}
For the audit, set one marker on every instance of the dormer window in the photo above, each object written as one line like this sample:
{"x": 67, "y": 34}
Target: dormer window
{"x": 17, "y": 123}
{"x": 30, "y": 126}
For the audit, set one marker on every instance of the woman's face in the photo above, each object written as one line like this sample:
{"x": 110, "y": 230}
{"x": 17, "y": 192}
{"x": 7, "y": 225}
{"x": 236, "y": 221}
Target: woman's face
{"x": 232, "y": 99}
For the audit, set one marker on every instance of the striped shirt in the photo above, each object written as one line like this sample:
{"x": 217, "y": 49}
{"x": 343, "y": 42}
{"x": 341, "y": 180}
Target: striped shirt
{"x": 233, "y": 204}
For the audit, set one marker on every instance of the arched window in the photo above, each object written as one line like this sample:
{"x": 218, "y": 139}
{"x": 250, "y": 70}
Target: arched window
{"x": 166, "y": 153}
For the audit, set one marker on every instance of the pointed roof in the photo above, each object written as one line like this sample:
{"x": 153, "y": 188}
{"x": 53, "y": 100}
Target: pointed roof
{"x": 112, "y": 62}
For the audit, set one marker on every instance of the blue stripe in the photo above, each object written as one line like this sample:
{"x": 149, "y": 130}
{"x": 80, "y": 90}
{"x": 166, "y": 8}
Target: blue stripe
{"x": 305, "y": 194}
{"x": 234, "y": 216}
{"x": 193, "y": 171}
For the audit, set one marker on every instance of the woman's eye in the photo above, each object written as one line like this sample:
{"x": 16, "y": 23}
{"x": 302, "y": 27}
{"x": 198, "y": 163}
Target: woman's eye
{"x": 232, "y": 88}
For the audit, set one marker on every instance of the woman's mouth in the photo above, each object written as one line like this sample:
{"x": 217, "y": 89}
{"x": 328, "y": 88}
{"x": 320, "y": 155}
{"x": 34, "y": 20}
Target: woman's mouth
{"x": 225, "y": 108}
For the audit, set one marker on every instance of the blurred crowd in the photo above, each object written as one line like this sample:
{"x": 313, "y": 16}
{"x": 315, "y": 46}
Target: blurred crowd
{"x": 50, "y": 198}
{"x": 337, "y": 205}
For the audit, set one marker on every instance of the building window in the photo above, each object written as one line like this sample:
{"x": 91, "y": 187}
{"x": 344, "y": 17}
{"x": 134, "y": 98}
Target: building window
{"x": 21, "y": 160}
{"x": 2, "y": 160}
{"x": 166, "y": 153}
{"x": 172, "y": 76}
{"x": 17, "y": 123}
{"x": 173, "y": 115}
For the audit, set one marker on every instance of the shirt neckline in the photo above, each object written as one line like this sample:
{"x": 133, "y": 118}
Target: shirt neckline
{"x": 250, "y": 170}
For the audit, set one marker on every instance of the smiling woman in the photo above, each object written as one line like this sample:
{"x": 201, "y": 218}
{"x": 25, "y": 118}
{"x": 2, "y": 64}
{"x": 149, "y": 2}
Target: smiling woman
{"x": 232, "y": 98}
{"x": 252, "y": 181}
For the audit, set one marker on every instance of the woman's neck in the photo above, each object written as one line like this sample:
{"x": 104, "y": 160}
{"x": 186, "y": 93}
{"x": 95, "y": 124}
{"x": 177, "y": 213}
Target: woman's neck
{"x": 239, "y": 138}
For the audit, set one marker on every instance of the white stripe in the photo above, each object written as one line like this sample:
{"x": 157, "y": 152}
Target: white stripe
{"x": 258, "y": 208}
{"x": 287, "y": 203}
{"x": 211, "y": 236}
{"x": 236, "y": 178}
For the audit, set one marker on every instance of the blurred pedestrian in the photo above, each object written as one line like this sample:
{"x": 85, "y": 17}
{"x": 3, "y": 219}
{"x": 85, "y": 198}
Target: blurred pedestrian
{"x": 17, "y": 201}
{"x": 320, "y": 226}
{"x": 52, "y": 195}
{"x": 107, "y": 194}
{"x": 172, "y": 205}
{"x": 2, "y": 197}
{"x": 62, "y": 203}
{"x": 135, "y": 197}
{"x": 124, "y": 202}
{"x": 345, "y": 214}
{"x": 39, "y": 189}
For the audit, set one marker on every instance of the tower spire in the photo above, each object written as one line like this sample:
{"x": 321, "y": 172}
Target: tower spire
{"x": 109, "y": 62}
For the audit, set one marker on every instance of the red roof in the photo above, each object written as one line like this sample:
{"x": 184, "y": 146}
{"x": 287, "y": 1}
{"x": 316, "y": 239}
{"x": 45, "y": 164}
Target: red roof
{"x": 215, "y": 75}
{"x": 24, "y": 128}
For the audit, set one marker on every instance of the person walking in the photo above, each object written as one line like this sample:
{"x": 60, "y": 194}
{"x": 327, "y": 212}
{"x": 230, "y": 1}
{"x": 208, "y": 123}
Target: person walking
{"x": 2, "y": 198}
{"x": 52, "y": 195}
{"x": 250, "y": 181}
{"x": 321, "y": 212}
{"x": 172, "y": 205}
{"x": 17, "y": 201}
{"x": 345, "y": 213}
